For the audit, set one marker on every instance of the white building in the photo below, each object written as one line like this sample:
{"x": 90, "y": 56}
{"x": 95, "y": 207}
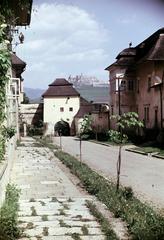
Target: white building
{"x": 61, "y": 102}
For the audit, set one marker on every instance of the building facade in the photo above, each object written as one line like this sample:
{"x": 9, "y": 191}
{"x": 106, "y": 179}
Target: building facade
{"x": 136, "y": 81}
{"x": 21, "y": 14}
{"x": 61, "y": 102}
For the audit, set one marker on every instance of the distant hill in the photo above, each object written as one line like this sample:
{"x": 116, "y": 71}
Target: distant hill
{"x": 34, "y": 93}
{"x": 95, "y": 94}
{"x": 91, "y": 93}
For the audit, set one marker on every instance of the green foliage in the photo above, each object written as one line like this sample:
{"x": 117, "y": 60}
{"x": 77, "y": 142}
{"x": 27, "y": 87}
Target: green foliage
{"x": 2, "y": 145}
{"x": 86, "y": 125}
{"x": 128, "y": 192}
{"x": 76, "y": 236}
{"x": 4, "y": 66}
{"x": 39, "y": 123}
{"x": 105, "y": 226}
{"x": 143, "y": 222}
{"x": 5, "y": 134}
{"x": 128, "y": 120}
{"x": 115, "y": 136}
{"x": 8, "y": 132}
{"x": 47, "y": 142}
{"x": 85, "y": 136}
{"x": 9, "y": 215}
{"x": 34, "y": 131}
{"x": 7, "y": 11}
{"x": 124, "y": 122}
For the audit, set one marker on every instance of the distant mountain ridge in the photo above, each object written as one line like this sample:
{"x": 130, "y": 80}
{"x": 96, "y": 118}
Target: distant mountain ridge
{"x": 34, "y": 93}
{"x": 91, "y": 93}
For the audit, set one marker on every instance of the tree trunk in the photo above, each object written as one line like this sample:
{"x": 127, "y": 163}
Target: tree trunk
{"x": 119, "y": 168}
{"x": 80, "y": 149}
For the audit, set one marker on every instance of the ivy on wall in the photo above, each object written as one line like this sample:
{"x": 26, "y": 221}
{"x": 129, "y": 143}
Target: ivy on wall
{"x": 5, "y": 63}
{"x": 7, "y": 8}
{"x": 8, "y": 16}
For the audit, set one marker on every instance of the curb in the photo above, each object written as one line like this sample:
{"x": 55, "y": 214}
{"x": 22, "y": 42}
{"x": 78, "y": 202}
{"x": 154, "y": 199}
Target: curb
{"x": 146, "y": 154}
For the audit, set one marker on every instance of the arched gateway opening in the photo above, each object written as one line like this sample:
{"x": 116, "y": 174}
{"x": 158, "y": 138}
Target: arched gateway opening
{"x": 62, "y": 128}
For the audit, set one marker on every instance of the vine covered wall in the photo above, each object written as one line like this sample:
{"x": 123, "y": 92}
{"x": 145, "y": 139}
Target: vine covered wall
{"x": 4, "y": 67}
{"x": 10, "y": 13}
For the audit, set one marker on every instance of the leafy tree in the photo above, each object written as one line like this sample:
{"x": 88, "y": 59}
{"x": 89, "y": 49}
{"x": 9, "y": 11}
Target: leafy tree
{"x": 85, "y": 129}
{"x": 125, "y": 121}
{"x": 86, "y": 125}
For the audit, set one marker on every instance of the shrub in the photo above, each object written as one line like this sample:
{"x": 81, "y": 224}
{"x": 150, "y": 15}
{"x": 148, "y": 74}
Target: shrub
{"x": 9, "y": 132}
{"x": 128, "y": 192}
{"x": 9, "y": 215}
{"x": 87, "y": 136}
{"x": 34, "y": 131}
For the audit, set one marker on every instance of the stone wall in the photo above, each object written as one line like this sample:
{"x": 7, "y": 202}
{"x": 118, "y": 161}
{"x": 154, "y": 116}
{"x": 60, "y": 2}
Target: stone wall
{"x": 100, "y": 122}
{"x": 31, "y": 113}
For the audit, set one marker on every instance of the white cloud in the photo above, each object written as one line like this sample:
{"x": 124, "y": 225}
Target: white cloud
{"x": 62, "y": 39}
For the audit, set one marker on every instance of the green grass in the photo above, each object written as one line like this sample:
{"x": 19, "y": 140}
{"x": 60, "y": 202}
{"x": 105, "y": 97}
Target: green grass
{"x": 142, "y": 221}
{"x": 104, "y": 223}
{"x": 146, "y": 150}
{"x": 33, "y": 211}
{"x": 9, "y": 229}
{"x": 45, "y": 218}
{"x": 62, "y": 212}
{"x": 75, "y": 236}
{"x": 45, "y": 231}
{"x": 32, "y": 200}
{"x": 63, "y": 224}
{"x": 46, "y": 142}
{"x": 30, "y": 225}
{"x": 84, "y": 230}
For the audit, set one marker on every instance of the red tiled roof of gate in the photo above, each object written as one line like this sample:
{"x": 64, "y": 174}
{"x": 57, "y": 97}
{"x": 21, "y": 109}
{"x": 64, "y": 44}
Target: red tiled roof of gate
{"x": 59, "y": 88}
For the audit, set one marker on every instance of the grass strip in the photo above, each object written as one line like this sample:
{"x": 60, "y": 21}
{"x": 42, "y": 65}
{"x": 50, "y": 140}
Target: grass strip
{"x": 9, "y": 214}
{"x": 104, "y": 223}
{"x": 142, "y": 221}
{"x": 149, "y": 150}
{"x": 46, "y": 142}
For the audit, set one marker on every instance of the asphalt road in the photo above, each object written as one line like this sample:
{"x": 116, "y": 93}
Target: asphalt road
{"x": 145, "y": 174}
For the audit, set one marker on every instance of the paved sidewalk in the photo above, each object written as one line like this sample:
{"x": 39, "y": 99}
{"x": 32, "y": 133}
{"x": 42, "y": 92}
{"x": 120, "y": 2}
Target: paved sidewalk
{"x": 51, "y": 206}
{"x": 144, "y": 174}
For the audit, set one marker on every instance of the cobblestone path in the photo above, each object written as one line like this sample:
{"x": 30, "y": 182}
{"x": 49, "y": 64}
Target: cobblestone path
{"x": 51, "y": 206}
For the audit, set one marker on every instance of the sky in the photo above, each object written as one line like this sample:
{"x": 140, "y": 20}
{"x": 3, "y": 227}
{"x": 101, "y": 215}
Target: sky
{"x": 70, "y": 37}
